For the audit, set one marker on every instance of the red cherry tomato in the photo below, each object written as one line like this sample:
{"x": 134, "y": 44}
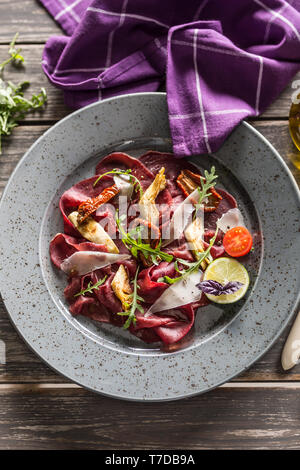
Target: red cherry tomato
{"x": 237, "y": 242}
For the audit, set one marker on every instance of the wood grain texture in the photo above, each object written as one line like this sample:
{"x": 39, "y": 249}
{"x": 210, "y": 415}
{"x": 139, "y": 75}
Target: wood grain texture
{"x": 24, "y": 366}
{"x": 56, "y": 109}
{"x": 29, "y": 18}
{"x": 32, "y": 71}
{"x": 32, "y": 417}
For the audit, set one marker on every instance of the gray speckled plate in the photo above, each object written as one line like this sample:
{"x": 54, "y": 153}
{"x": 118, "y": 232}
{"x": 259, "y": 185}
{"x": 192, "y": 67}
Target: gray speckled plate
{"x": 225, "y": 340}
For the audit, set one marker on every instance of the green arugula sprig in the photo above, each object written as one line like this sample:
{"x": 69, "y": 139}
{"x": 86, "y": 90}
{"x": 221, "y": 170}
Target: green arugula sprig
{"x": 134, "y": 306}
{"x": 91, "y": 287}
{"x": 14, "y": 53}
{"x": 13, "y": 105}
{"x": 208, "y": 182}
{"x": 192, "y": 266}
{"x": 133, "y": 179}
{"x": 133, "y": 241}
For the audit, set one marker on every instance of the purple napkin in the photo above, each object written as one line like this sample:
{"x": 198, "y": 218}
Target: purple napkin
{"x": 222, "y": 61}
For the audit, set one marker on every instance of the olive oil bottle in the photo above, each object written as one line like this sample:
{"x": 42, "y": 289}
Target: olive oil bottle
{"x": 294, "y": 126}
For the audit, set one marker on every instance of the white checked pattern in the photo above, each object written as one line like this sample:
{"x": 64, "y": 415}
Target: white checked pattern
{"x": 237, "y": 53}
{"x": 271, "y": 20}
{"x": 224, "y": 48}
{"x": 204, "y": 113}
{"x": 200, "y": 9}
{"x": 112, "y": 33}
{"x": 258, "y": 89}
{"x": 199, "y": 91}
{"x": 61, "y": 72}
{"x": 277, "y": 15}
{"x": 128, "y": 15}
{"x": 68, "y": 8}
{"x": 209, "y": 113}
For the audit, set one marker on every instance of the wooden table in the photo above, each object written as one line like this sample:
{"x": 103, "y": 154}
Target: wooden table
{"x": 40, "y": 410}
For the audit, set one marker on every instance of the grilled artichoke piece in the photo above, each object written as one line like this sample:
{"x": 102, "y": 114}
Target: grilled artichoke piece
{"x": 147, "y": 205}
{"x": 194, "y": 235}
{"x": 94, "y": 232}
{"x": 121, "y": 287}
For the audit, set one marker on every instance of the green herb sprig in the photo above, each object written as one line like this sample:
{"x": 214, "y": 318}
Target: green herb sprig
{"x": 208, "y": 182}
{"x": 13, "y": 105}
{"x": 136, "y": 245}
{"x": 134, "y": 306}
{"x": 91, "y": 287}
{"x": 192, "y": 266}
{"x": 14, "y": 53}
{"x": 133, "y": 179}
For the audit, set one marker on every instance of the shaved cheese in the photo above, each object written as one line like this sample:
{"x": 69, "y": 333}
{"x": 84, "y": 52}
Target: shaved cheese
{"x": 232, "y": 218}
{"x": 83, "y": 262}
{"x": 182, "y": 216}
{"x": 180, "y": 293}
{"x": 123, "y": 183}
{"x": 94, "y": 232}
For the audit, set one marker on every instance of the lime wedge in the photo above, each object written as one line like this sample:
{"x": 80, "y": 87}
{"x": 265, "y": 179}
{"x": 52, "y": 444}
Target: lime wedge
{"x": 225, "y": 270}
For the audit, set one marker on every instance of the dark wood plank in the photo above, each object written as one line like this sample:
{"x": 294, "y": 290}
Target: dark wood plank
{"x": 72, "y": 418}
{"x": 29, "y": 18}
{"x": 23, "y": 366}
{"x": 56, "y": 109}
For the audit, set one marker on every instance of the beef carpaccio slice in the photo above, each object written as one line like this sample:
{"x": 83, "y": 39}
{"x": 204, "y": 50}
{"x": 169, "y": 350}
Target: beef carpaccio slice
{"x": 168, "y": 327}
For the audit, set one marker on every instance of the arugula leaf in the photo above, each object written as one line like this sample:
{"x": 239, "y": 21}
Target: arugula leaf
{"x": 13, "y": 104}
{"x": 134, "y": 306}
{"x": 208, "y": 182}
{"x": 91, "y": 287}
{"x": 133, "y": 179}
{"x": 14, "y": 53}
{"x": 136, "y": 245}
{"x": 192, "y": 266}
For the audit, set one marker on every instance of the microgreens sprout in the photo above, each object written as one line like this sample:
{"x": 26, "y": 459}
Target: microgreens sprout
{"x": 13, "y": 105}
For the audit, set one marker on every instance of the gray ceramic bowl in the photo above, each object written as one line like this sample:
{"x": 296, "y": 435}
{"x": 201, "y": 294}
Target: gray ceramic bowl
{"x": 225, "y": 340}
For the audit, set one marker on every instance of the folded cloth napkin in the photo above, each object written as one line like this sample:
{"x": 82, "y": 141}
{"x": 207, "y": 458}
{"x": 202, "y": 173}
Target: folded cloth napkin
{"x": 222, "y": 61}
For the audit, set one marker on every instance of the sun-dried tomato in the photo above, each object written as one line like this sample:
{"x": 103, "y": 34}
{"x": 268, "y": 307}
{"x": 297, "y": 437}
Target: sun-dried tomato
{"x": 189, "y": 181}
{"x": 89, "y": 206}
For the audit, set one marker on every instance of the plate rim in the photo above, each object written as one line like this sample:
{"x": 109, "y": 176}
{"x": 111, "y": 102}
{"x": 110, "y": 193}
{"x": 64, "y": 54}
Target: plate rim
{"x": 186, "y": 395}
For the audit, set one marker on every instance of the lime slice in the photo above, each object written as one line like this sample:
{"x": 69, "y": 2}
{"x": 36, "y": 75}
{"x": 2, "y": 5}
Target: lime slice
{"x": 225, "y": 270}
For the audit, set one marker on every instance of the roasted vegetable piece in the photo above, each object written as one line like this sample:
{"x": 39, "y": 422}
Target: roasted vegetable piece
{"x": 94, "y": 232}
{"x": 194, "y": 235}
{"x": 89, "y": 206}
{"x": 189, "y": 181}
{"x": 147, "y": 205}
{"x": 121, "y": 287}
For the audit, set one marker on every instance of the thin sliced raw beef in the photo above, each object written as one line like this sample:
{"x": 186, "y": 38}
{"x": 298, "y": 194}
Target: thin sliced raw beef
{"x": 171, "y": 326}
{"x": 62, "y": 246}
{"x": 122, "y": 161}
{"x": 79, "y": 193}
{"x": 227, "y": 202}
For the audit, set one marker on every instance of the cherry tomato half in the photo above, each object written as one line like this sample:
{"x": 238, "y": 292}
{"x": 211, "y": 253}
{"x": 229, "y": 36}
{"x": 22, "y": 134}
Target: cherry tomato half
{"x": 237, "y": 241}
